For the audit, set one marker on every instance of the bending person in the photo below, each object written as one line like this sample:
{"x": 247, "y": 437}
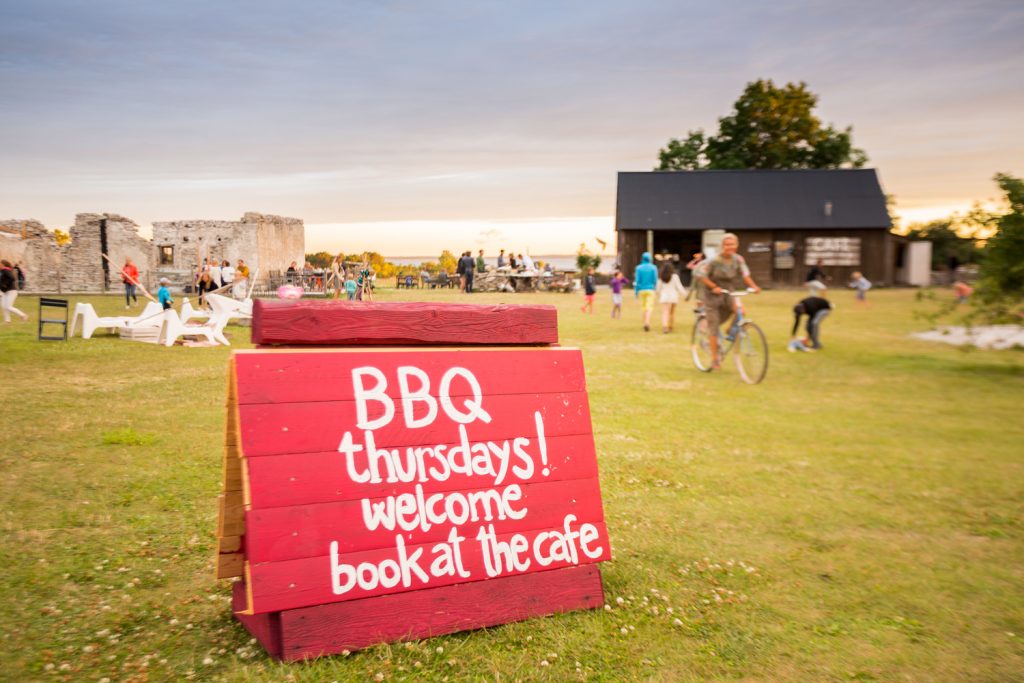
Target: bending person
{"x": 816, "y": 309}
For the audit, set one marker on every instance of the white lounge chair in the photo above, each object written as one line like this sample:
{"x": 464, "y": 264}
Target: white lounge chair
{"x": 92, "y": 322}
{"x": 228, "y": 309}
{"x": 146, "y": 326}
{"x": 188, "y": 312}
{"x": 172, "y": 328}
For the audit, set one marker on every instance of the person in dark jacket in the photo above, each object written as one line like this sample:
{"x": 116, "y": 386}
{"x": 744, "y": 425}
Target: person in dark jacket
{"x": 816, "y": 309}
{"x": 9, "y": 291}
{"x": 468, "y": 266}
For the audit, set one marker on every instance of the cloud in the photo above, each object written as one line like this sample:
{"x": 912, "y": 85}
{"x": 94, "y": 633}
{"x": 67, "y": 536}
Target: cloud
{"x": 374, "y": 112}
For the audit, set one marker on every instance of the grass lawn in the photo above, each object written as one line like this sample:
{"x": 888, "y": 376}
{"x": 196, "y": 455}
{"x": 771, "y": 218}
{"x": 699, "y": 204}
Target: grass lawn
{"x": 858, "y": 516}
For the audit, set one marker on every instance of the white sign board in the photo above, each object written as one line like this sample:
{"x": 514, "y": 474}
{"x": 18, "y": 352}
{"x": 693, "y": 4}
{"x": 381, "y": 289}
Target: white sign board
{"x": 832, "y": 251}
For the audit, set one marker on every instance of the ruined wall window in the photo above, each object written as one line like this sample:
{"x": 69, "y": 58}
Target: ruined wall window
{"x": 167, "y": 255}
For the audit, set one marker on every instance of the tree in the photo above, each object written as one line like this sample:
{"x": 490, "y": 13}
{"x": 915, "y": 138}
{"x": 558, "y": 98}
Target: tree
{"x": 584, "y": 259}
{"x": 61, "y": 237}
{"x": 1000, "y": 289}
{"x": 769, "y": 127}
{"x": 320, "y": 259}
{"x": 447, "y": 261}
{"x": 946, "y": 241}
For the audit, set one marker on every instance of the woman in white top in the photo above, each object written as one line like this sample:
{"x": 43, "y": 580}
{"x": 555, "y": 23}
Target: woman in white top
{"x": 227, "y": 273}
{"x": 669, "y": 289}
{"x": 215, "y": 274}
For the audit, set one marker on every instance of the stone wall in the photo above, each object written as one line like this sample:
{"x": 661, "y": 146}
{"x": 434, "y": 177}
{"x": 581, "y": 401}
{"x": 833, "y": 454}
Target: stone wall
{"x": 35, "y": 248}
{"x": 265, "y": 242}
{"x": 83, "y": 268}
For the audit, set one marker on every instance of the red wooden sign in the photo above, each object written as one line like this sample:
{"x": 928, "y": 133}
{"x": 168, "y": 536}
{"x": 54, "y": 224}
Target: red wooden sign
{"x": 393, "y": 479}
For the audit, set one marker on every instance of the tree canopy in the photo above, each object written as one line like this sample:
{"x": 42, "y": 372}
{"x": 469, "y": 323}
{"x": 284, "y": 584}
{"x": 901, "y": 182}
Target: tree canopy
{"x": 946, "y": 241}
{"x": 769, "y": 127}
{"x": 1001, "y": 277}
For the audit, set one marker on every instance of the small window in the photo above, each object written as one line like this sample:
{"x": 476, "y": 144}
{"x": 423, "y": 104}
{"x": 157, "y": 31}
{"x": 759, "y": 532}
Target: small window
{"x": 167, "y": 255}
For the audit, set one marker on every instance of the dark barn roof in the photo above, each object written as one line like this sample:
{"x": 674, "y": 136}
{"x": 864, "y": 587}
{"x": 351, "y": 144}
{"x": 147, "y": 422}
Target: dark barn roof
{"x": 736, "y": 200}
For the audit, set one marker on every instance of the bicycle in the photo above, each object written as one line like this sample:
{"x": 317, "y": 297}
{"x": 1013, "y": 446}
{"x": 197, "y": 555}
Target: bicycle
{"x": 752, "y": 352}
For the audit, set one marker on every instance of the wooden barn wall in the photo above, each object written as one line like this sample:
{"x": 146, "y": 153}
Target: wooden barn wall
{"x": 877, "y": 259}
{"x": 631, "y": 245}
{"x": 876, "y": 255}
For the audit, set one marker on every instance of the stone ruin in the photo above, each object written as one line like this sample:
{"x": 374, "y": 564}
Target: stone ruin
{"x": 267, "y": 243}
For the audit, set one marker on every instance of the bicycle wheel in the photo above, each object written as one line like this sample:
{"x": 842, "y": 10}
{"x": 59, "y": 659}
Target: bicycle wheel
{"x": 700, "y": 345}
{"x": 751, "y": 353}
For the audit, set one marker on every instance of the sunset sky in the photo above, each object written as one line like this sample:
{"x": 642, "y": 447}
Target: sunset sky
{"x": 410, "y": 127}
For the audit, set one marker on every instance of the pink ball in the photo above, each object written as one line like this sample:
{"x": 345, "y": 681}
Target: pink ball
{"x": 289, "y": 292}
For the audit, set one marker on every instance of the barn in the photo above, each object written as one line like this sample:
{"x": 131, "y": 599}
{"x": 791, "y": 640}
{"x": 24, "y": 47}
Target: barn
{"x": 787, "y": 220}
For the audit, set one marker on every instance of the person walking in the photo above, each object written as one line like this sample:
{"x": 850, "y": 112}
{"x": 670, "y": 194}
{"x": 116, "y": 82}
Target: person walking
{"x": 9, "y": 291}
{"x": 861, "y": 284}
{"x": 163, "y": 295}
{"x": 338, "y": 275}
{"x": 19, "y": 275}
{"x": 130, "y": 278}
{"x": 816, "y": 273}
{"x": 589, "y": 292}
{"x": 645, "y": 281}
{"x": 617, "y": 282}
{"x": 669, "y": 289}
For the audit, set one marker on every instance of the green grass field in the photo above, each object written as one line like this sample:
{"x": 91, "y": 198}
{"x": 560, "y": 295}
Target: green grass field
{"x": 858, "y": 516}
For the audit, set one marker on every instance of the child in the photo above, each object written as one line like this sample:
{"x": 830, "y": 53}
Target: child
{"x": 589, "y": 291}
{"x": 350, "y": 289}
{"x": 861, "y": 284}
{"x": 618, "y": 281}
{"x": 963, "y": 291}
{"x": 163, "y": 294}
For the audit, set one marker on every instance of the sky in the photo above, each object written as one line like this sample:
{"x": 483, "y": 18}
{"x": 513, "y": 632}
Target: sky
{"x": 411, "y": 127}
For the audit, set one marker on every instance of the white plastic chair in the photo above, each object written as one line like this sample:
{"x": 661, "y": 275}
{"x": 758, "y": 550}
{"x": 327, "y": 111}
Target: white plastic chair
{"x": 188, "y": 312}
{"x": 173, "y": 328}
{"x": 92, "y": 322}
{"x": 226, "y": 308}
{"x": 144, "y": 327}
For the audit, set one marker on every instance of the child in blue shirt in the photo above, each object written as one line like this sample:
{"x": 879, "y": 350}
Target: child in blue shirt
{"x": 163, "y": 294}
{"x": 861, "y": 284}
{"x": 350, "y": 289}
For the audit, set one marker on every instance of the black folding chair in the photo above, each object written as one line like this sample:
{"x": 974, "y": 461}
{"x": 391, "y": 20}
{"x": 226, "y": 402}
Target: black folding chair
{"x": 50, "y": 304}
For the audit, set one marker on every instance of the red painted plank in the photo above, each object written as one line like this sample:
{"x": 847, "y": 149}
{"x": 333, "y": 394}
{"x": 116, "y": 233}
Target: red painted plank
{"x": 277, "y": 429}
{"x": 364, "y": 323}
{"x": 331, "y": 629}
{"x": 266, "y": 628}
{"x": 300, "y": 583}
{"x": 291, "y": 533}
{"x": 304, "y": 478}
{"x": 289, "y": 377}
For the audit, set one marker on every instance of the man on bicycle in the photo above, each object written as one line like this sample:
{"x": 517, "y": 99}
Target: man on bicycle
{"x": 727, "y": 271}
